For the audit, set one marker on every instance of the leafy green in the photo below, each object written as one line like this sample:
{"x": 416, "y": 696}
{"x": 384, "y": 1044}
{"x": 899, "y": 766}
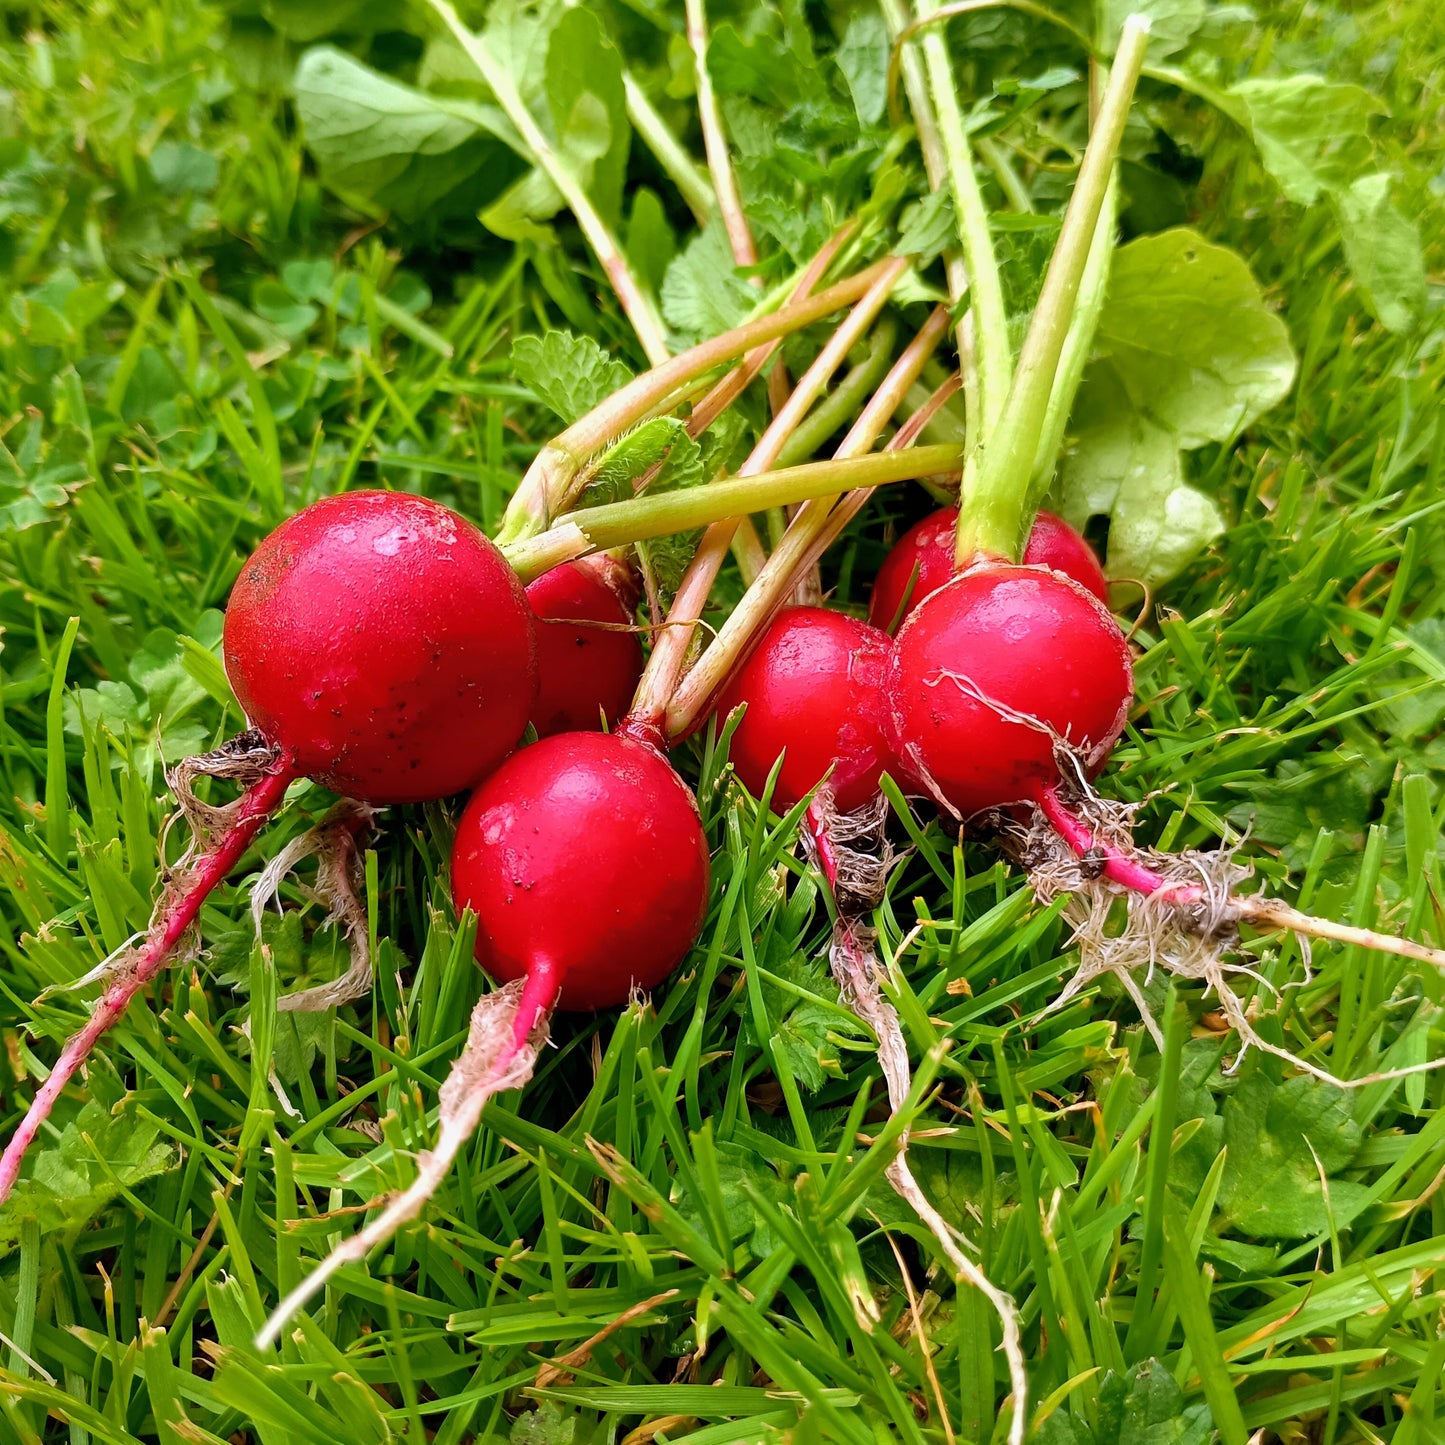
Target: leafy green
{"x": 1382, "y": 248}
{"x": 1312, "y": 134}
{"x": 702, "y": 293}
{"x": 1188, "y": 353}
{"x": 1286, "y": 1144}
{"x": 568, "y": 373}
{"x": 404, "y": 149}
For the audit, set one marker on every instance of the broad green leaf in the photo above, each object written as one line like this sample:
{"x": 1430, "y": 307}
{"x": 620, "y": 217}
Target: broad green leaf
{"x": 1190, "y": 338}
{"x": 1147, "y": 1407}
{"x": 1279, "y": 1138}
{"x": 651, "y": 241}
{"x": 1382, "y": 247}
{"x": 589, "y": 107}
{"x": 624, "y": 463}
{"x": 568, "y": 373}
{"x": 404, "y": 149}
{"x": 1171, "y": 22}
{"x": 862, "y": 56}
{"x": 179, "y": 166}
{"x": 702, "y": 293}
{"x": 1124, "y": 466}
{"x": 1311, "y": 133}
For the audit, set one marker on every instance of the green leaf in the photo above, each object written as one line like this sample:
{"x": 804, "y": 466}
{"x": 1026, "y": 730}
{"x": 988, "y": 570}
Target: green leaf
{"x": 862, "y": 56}
{"x": 588, "y": 106}
{"x": 651, "y": 242}
{"x": 1145, "y": 1406}
{"x": 1190, "y": 338}
{"x": 74, "y": 1179}
{"x": 1126, "y": 467}
{"x": 702, "y": 293}
{"x": 615, "y": 475}
{"x": 179, "y": 167}
{"x": 402, "y": 148}
{"x": 1274, "y": 1133}
{"x": 1171, "y": 22}
{"x": 1311, "y": 133}
{"x": 927, "y": 227}
{"x": 1382, "y": 247}
{"x": 568, "y": 373}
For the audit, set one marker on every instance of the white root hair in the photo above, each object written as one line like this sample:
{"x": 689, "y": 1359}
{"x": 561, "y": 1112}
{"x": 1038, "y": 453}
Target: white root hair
{"x": 490, "y": 1064}
{"x": 335, "y": 843}
{"x": 861, "y": 878}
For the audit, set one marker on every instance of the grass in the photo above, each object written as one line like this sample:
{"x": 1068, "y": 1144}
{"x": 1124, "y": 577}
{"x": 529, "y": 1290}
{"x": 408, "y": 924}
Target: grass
{"x": 681, "y": 1231}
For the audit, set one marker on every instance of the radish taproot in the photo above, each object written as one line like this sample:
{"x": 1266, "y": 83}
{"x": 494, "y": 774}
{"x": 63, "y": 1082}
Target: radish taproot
{"x": 584, "y": 860}
{"x": 588, "y": 657}
{"x": 384, "y": 646}
{"x": 921, "y": 561}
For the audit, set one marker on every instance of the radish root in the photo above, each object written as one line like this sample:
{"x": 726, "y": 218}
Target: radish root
{"x": 1181, "y": 913}
{"x": 219, "y": 837}
{"x": 507, "y": 1032}
{"x": 335, "y": 843}
{"x": 857, "y": 878}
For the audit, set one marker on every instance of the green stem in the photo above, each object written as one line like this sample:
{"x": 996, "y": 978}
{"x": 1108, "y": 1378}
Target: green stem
{"x": 635, "y": 301}
{"x": 995, "y": 517}
{"x": 798, "y": 550}
{"x": 990, "y": 316}
{"x": 690, "y": 180}
{"x": 844, "y": 400}
{"x": 617, "y": 524}
{"x": 714, "y": 140}
{"x": 1078, "y": 345}
{"x": 544, "y": 491}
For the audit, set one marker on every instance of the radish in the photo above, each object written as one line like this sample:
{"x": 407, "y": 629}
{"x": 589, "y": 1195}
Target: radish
{"x": 384, "y": 646}
{"x": 994, "y": 672}
{"x": 586, "y": 673}
{"x": 813, "y": 696}
{"x": 921, "y": 561}
{"x": 379, "y": 645}
{"x": 584, "y": 859}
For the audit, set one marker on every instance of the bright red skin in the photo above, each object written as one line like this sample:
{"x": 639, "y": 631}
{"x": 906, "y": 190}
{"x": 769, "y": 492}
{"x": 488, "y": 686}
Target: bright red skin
{"x": 583, "y": 851}
{"x": 813, "y": 687}
{"x": 584, "y": 672}
{"x": 1033, "y": 642}
{"x": 385, "y": 643}
{"x": 928, "y": 546}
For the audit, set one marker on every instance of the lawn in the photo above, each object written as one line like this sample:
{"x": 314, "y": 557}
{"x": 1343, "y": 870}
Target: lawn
{"x": 227, "y": 296}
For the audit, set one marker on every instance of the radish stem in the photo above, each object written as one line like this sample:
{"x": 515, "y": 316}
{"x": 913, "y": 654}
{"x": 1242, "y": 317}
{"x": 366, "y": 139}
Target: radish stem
{"x": 618, "y": 523}
{"x": 990, "y": 317}
{"x": 994, "y": 519}
{"x": 636, "y": 302}
{"x": 544, "y": 490}
{"x": 134, "y": 971}
{"x": 798, "y": 550}
{"x": 681, "y": 169}
{"x": 669, "y": 652}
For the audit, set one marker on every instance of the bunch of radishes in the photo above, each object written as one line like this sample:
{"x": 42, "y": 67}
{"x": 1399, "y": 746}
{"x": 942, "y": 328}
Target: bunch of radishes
{"x": 381, "y": 646}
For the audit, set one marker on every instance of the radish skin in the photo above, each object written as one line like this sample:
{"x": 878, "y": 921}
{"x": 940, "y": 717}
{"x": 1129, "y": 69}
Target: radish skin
{"x": 921, "y": 561}
{"x": 586, "y": 674}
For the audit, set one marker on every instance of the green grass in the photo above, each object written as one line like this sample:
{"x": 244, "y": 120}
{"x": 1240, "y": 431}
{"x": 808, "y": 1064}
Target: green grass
{"x": 699, "y": 1179}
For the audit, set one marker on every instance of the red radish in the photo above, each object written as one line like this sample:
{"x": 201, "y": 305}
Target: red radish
{"x": 585, "y": 673}
{"x": 994, "y": 670}
{"x": 584, "y": 859}
{"x": 383, "y": 643}
{"x": 813, "y": 692}
{"x": 922, "y": 561}
{"x": 380, "y": 645}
